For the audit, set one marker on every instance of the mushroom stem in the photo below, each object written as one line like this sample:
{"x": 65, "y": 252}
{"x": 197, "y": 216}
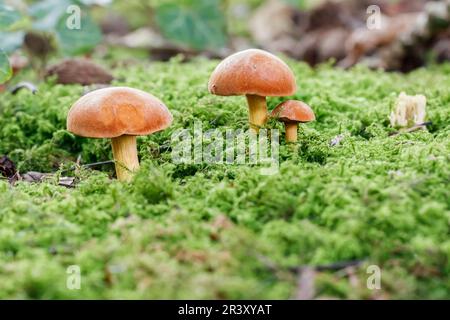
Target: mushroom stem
{"x": 125, "y": 156}
{"x": 257, "y": 111}
{"x": 291, "y": 131}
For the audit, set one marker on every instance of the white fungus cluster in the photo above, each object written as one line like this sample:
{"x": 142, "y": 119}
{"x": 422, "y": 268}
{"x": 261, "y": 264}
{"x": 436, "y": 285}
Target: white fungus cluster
{"x": 409, "y": 110}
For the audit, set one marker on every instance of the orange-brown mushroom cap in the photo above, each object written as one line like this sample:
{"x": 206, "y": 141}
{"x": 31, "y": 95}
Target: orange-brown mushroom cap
{"x": 112, "y": 112}
{"x": 254, "y": 72}
{"x": 293, "y": 111}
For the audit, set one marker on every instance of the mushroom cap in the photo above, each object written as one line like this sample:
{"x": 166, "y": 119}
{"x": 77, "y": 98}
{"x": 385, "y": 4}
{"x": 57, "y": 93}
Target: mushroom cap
{"x": 252, "y": 71}
{"x": 112, "y": 112}
{"x": 293, "y": 111}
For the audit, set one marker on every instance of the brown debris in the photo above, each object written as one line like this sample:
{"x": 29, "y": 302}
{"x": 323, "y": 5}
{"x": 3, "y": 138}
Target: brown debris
{"x": 306, "y": 284}
{"x": 442, "y": 49}
{"x": 321, "y": 45}
{"x": 191, "y": 256}
{"x": 79, "y": 71}
{"x": 363, "y": 41}
{"x": 8, "y": 169}
{"x": 67, "y": 182}
{"x": 33, "y": 176}
{"x": 37, "y": 177}
{"x": 334, "y": 14}
{"x": 39, "y": 45}
{"x": 338, "y": 30}
{"x": 115, "y": 24}
{"x": 409, "y": 48}
{"x": 281, "y": 29}
{"x": 404, "y": 6}
{"x": 221, "y": 222}
{"x": 423, "y": 271}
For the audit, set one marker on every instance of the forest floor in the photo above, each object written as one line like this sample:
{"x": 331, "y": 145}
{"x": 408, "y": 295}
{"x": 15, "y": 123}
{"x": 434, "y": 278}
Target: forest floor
{"x": 226, "y": 231}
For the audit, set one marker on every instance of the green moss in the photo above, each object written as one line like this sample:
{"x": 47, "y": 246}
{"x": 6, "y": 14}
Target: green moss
{"x": 224, "y": 231}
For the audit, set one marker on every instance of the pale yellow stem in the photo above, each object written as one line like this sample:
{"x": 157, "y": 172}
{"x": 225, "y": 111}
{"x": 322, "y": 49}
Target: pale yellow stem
{"x": 291, "y": 131}
{"x": 125, "y": 157}
{"x": 257, "y": 112}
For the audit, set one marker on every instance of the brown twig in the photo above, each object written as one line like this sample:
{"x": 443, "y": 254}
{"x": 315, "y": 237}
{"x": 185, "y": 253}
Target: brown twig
{"x": 90, "y": 165}
{"x": 336, "y": 266}
{"x": 411, "y": 129}
{"x": 34, "y": 177}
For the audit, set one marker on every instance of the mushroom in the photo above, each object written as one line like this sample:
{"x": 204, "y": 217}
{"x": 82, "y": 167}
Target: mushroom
{"x": 256, "y": 74}
{"x": 119, "y": 113}
{"x": 291, "y": 112}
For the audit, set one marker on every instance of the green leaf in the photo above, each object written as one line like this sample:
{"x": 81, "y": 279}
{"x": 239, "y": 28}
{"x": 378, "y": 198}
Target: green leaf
{"x": 5, "y": 67}
{"x": 47, "y": 13}
{"x": 78, "y": 41}
{"x": 199, "y": 24}
{"x": 8, "y": 16}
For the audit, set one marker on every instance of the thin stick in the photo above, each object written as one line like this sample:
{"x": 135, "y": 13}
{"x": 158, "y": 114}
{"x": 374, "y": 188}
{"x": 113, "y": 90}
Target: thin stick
{"x": 90, "y": 165}
{"x": 336, "y": 266}
{"x": 412, "y": 129}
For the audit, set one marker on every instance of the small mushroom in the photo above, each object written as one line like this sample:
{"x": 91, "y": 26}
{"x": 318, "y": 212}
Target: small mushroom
{"x": 256, "y": 74}
{"x": 291, "y": 112}
{"x": 119, "y": 113}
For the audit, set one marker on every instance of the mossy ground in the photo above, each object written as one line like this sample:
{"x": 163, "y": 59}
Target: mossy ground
{"x": 225, "y": 231}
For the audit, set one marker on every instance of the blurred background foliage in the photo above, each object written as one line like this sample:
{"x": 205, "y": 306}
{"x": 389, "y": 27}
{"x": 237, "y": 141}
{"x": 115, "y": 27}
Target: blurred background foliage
{"x": 314, "y": 31}
{"x": 191, "y": 24}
